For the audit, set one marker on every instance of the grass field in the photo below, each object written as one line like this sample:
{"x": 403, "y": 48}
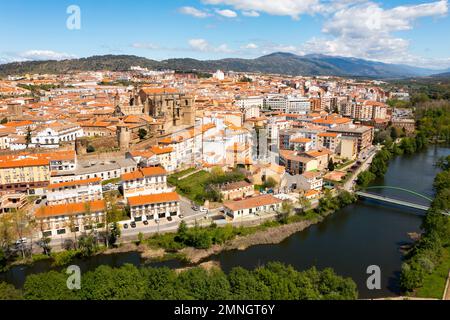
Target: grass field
{"x": 192, "y": 187}
{"x": 434, "y": 283}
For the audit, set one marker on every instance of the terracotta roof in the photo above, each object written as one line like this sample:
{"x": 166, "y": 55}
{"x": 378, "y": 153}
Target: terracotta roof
{"x": 301, "y": 140}
{"x": 328, "y": 134}
{"x": 69, "y": 209}
{"x": 145, "y": 172}
{"x": 153, "y": 198}
{"x": 264, "y": 200}
{"x": 158, "y": 150}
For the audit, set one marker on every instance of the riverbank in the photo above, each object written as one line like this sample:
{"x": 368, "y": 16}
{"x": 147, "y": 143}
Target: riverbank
{"x": 273, "y": 235}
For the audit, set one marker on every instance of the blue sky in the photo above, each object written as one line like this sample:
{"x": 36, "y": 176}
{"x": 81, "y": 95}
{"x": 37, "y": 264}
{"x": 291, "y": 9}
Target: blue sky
{"x": 401, "y": 31}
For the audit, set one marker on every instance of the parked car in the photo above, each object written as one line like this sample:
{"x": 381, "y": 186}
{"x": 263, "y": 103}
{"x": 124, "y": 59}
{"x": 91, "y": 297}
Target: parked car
{"x": 133, "y": 224}
{"x": 195, "y": 208}
{"x": 169, "y": 219}
{"x": 204, "y": 210}
{"x": 181, "y": 216}
{"x": 145, "y": 222}
{"x": 38, "y": 201}
{"x": 125, "y": 226}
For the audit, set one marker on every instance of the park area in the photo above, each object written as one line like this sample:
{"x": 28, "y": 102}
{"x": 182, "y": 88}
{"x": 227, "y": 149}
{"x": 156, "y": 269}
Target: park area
{"x": 203, "y": 185}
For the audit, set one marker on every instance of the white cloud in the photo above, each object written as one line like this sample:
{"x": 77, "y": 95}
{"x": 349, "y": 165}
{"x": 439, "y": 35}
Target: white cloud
{"x": 250, "y": 46}
{"x": 226, "y": 13}
{"x": 204, "y": 46}
{"x": 251, "y": 13}
{"x": 45, "y": 55}
{"x": 191, "y": 11}
{"x": 292, "y": 8}
{"x": 199, "y": 44}
{"x": 357, "y": 28}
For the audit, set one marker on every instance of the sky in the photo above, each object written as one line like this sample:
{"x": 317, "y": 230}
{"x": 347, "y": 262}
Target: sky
{"x": 413, "y": 32}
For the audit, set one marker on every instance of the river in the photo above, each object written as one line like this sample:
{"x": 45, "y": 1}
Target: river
{"x": 364, "y": 234}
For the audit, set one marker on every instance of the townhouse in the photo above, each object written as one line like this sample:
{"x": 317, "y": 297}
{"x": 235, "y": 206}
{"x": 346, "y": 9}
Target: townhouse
{"x": 64, "y": 219}
{"x": 75, "y": 191}
{"x": 145, "y": 181}
{"x": 154, "y": 207}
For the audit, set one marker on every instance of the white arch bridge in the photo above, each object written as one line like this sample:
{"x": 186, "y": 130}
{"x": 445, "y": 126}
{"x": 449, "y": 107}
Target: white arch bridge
{"x": 391, "y": 200}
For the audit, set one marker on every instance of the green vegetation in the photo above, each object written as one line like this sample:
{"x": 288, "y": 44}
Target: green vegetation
{"x": 36, "y": 89}
{"x": 8, "y": 292}
{"x": 202, "y": 185}
{"x": 4, "y": 121}
{"x": 111, "y": 181}
{"x": 245, "y": 79}
{"x": 429, "y": 257}
{"x": 90, "y": 149}
{"x": 142, "y": 133}
{"x": 329, "y": 204}
{"x": 434, "y": 283}
{"x": 275, "y": 281}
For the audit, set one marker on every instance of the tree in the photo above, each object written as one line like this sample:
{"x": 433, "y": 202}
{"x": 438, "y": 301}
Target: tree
{"x": 142, "y": 133}
{"x": 20, "y": 225}
{"x": 331, "y": 165}
{"x": 44, "y": 243}
{"x": 6, "y": 232}
{"x": 270, "y": 183}
{"x": 304, "y": 203}
{"x": 365, "y": 178}
{"x": 28, "y": 136}
{"x": 394, "y": 133}
{"x": 87, "y": 245}
{"x": 285, "y": 212}
{"x": 246, "y": 286}
{"x": 4, "y": 121}
{"x": 48, "y": 286}
{"x": 90, "y": 149}
{"x": 8, "y": 292}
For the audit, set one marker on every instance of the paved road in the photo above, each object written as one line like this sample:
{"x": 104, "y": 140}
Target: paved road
{"x": 364, "y": 166}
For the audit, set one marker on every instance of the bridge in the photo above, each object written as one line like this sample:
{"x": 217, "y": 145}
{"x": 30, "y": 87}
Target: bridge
{"x": 391, "y": 200}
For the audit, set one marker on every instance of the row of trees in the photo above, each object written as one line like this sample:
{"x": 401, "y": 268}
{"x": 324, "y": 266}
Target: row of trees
{"x": 427, "y": 252}
{"x": 275, "y": 281}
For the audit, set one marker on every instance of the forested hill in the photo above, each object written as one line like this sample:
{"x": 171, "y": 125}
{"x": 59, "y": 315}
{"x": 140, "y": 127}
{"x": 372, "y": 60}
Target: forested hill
{"x": 276, "y": 63}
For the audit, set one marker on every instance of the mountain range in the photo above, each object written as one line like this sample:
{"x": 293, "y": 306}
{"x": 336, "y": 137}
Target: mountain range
{"x": 275, "y": 63}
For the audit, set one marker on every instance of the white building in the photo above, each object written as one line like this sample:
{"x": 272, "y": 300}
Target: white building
{"x": 298, "y": 105}
{"x": 145, "y": 181}
{"x": 219, "y": 75}
{"x": 75, "y": 191}
{"x": 53, "y": 135}
{"x": 154, "y": 207}
{"x": 252, "y": 206}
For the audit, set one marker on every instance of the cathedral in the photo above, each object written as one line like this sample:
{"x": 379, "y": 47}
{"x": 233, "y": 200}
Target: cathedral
{"x": 169, "y": 107}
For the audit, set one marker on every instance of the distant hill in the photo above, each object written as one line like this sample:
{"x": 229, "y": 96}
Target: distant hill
{"x": 276, "y": 63}
{"x": 445, "y": 75}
